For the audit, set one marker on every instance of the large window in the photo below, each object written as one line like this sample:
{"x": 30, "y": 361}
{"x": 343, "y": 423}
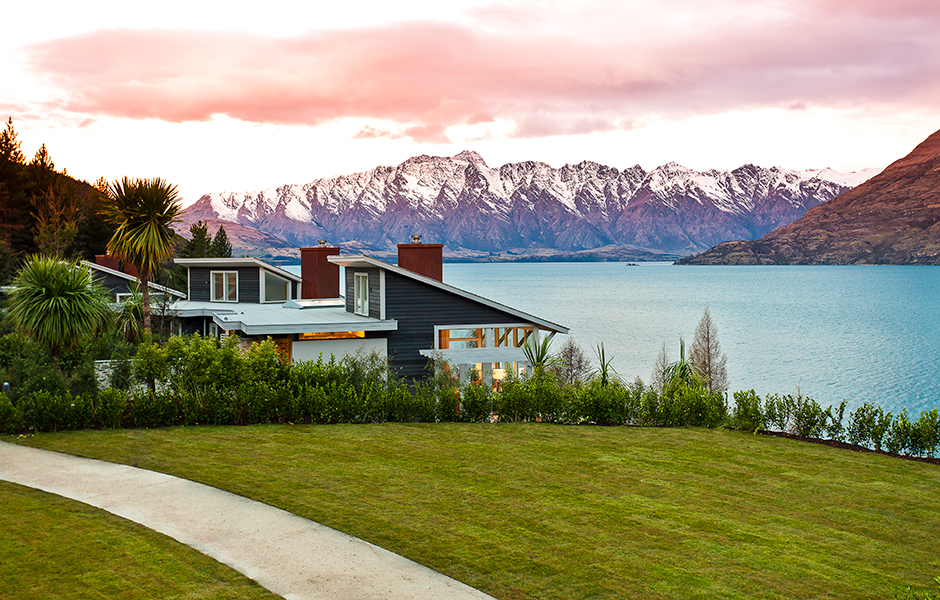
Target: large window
{"x": 225, "y": 286}
{"x": 362, "y": 294}
{"x": 276, "y": 289}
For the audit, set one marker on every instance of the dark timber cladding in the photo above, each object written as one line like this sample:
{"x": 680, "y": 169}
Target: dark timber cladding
{"x": 200, "y": 284}
{"x": 375, "y": 301}
{"x": 418, "y": 307}
{"x": 114, "y": 284}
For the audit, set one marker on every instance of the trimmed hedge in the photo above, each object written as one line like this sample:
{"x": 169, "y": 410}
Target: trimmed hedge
{"x": 192, "y": 380}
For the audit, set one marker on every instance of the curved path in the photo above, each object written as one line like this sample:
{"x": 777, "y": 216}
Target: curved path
{"x": 287, "y": 554}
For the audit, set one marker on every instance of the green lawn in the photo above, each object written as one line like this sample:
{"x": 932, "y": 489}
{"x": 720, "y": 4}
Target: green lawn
{"x": 51, "y": 547}
{"x": 544, "y": 511}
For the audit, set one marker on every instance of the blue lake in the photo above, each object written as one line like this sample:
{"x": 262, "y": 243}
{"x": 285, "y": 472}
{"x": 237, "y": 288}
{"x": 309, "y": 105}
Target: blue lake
{"x": 862, "y": 334}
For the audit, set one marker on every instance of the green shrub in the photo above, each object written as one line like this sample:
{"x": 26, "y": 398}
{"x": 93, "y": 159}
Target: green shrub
{"x": 11, "y": 417}
{"x": 861, "y": 424}
{"x": 150, "y": 365}
{"x": 898, "y": 435}
{"x": 477, "y": 403}
{"x": 834, "y": 428}
{"x": 148, "y": 409}
{"x": 48, "y": 411}
{"x": 109, "y": 408}
{"x": 747, "y": 412}
{"x": 809, "y": 419}
{"x": 514, "y": 402}
{"x": 927, "y": 431}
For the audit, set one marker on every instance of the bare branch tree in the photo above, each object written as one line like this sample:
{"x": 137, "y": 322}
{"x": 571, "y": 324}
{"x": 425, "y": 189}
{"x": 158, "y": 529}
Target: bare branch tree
{"x": 707, "y": 357}
{"x": 660, "y": 368}
{"x": 572, "y": 366}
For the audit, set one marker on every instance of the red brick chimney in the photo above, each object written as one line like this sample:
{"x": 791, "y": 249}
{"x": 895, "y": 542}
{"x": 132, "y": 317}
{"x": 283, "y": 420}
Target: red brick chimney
{"x": 131, "y": 270}
{"x": 106, "y": 260}
{"x": 423, "y": 259}
{"x": 319, "y": 277}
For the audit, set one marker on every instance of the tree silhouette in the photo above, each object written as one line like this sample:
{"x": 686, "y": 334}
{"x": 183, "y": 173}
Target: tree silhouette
{"x": 221, "y": 247}
{"x": 198, "y": 245}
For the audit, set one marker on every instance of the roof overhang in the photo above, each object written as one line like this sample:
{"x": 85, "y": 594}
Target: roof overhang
{"x": 281, "y": 320}
{"x": 366, "y": 262}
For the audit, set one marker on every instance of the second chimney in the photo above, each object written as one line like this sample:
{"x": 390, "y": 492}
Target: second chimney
{"x": 319, "y": 277}
{"x": 423, "y": 259}
{"x": 106, "y": 260}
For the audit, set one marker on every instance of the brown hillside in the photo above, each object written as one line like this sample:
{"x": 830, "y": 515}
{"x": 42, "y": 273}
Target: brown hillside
{"x": 893, "y": 218}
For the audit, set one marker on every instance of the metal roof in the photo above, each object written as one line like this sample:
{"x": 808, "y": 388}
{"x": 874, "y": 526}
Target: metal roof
{"x": 282, "y": 319}
{"x": 362, "y": 261}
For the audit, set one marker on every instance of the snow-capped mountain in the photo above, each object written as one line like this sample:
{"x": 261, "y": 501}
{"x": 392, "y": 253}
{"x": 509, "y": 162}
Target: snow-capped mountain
{"x": 463, "y": 203}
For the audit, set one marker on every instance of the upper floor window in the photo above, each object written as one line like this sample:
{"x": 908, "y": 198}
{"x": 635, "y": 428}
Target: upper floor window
{"x": 276, "y": 289}
{"x": 224, "y": 286}
{"x": 362, "y": 294}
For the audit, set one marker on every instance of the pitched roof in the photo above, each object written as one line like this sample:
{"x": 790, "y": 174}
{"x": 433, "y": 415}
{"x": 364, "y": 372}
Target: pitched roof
{"x": 362, "y": 261}
{"x": 123, "y": 275}
{"x": 246, "y": 261}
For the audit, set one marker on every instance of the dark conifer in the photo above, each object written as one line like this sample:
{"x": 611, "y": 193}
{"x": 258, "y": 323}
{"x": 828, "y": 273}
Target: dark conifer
{"x": 221, "y": 247}
{"x": 198, "y": 245}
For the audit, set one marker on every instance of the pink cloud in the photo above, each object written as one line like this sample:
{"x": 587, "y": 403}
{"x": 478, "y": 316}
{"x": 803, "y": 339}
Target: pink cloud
{"x": 427, "y": 76}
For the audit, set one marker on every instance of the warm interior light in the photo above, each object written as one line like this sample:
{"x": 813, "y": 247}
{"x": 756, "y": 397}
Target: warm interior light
{"x": 333, "y": 335}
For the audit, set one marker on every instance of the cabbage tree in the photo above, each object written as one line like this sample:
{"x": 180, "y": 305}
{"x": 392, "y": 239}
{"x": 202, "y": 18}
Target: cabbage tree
{"x": 143, "y": 211}
{"x": 57, "y": 303}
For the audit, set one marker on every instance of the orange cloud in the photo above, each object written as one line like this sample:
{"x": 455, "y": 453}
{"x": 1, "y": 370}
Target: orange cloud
{"x": 428, "y": 76}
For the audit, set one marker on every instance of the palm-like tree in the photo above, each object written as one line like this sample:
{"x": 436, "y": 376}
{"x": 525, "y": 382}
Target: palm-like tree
{"x": 57, "y": 302}
{"x": 143, "y": 210}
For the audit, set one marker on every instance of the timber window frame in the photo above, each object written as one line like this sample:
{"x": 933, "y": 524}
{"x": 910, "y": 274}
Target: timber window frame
{"x": 224, "y": 286}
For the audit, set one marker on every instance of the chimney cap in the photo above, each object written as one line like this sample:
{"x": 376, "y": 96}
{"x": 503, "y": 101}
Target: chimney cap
{"x": 416, "y": 238}
{"x": 321, "y": 243}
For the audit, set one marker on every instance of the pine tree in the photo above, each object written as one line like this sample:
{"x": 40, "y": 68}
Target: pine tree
{"x": 16, "y": 222}
{"x": 10, "y": 146}
{"x": 707, "y": 357}
{"x": 198, "y": 245}
{"x": 221, "y": 247}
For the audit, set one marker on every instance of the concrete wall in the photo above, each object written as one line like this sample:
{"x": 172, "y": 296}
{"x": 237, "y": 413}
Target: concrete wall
{"x": 311, "y": 349}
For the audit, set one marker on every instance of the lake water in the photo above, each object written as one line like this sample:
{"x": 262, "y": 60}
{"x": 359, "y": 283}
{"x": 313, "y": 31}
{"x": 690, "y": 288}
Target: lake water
{"x": 860, "y": 333}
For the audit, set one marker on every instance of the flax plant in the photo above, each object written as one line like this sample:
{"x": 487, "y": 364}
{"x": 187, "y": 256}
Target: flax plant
{"x": 57, "y": 302}
{"x": 538, "y": 353}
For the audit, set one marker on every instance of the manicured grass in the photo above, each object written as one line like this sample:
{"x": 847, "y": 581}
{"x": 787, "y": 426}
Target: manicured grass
{"x": 51, "y": 547}
{"x": 543, "y": 511}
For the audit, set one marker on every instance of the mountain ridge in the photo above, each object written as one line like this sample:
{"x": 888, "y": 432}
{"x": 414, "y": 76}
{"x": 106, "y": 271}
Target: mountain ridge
{"x": 529, "y": 206}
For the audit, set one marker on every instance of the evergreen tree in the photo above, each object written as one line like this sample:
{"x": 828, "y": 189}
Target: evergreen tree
{"x": 221, "y": 247}
{"x": 198, "y": 246}
{"x": 16, "y": 223}
{"x": 57, "y": 218}
{"x": 707, "y": 356}
{"x": 10, "y": 147}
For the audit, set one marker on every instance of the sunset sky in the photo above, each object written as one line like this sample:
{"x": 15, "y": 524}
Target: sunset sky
{"x": 220, "y": 98}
